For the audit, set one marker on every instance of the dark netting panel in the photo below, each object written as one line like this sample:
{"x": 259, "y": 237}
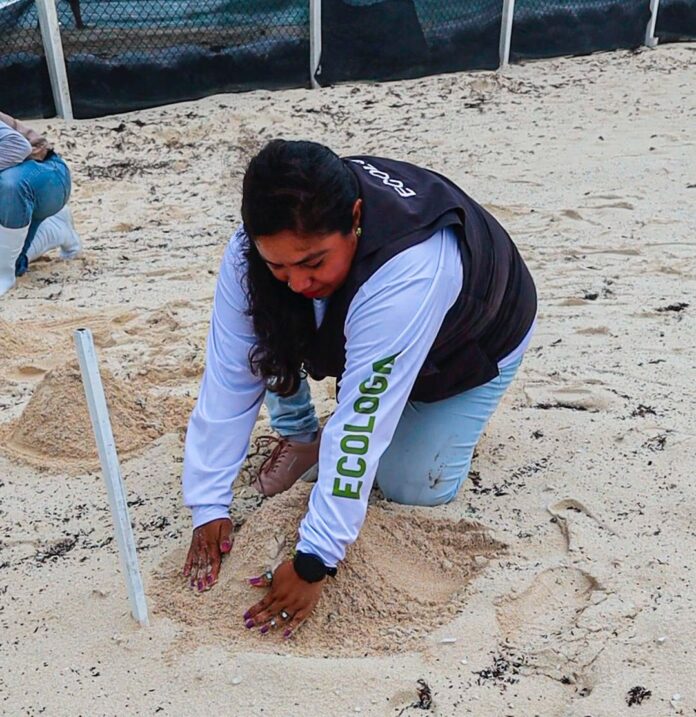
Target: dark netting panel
{"x": 393, "y": 39}
{"x": 461, "y": 35}
{"x": 25, "y": 88}
{"x": 549, "y": 28}
{"x": 128, "y": 54}
{"x": 676, "y": 20}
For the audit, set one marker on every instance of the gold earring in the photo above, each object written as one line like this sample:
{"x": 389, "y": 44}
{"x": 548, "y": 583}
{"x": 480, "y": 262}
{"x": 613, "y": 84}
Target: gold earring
{"x": 358, "y": 232}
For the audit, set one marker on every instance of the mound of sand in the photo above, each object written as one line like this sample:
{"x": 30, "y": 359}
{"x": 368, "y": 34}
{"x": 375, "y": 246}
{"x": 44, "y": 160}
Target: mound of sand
{"x": 406, "y": 574}
{"x": 54, "y": 430}
{"x": 16, "y": 342}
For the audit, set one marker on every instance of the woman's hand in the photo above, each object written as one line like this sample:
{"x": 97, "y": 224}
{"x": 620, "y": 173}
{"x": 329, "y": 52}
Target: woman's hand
{"x": 287, "y": 605}
{"x": 39, "y": 147}
{"x": 208, "y": 544}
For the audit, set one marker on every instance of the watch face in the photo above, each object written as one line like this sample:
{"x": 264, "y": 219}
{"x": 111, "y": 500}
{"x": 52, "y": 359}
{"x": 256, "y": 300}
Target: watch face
{"x": 309, "y": 567}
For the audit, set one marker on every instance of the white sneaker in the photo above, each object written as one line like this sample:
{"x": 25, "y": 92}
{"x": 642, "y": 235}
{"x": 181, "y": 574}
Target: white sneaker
{"x": 72, "y": 246}
{"x": 11, "y": 243}
{"x": 56, "y": 232}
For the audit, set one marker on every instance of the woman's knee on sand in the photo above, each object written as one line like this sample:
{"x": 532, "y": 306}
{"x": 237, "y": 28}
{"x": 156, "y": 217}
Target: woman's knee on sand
{"x": 427, "y": 491}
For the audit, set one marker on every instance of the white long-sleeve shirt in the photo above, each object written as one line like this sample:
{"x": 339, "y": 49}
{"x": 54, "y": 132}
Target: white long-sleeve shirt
{"x": 390, "y": 327}
{"x": 14, "y": 147}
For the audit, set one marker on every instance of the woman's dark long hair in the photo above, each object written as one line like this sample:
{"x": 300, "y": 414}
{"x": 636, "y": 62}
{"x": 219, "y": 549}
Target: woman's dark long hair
{"x": 305, "y": 188}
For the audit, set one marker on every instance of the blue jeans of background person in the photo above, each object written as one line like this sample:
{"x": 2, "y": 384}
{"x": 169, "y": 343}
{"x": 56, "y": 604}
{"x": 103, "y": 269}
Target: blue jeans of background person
{"x": 31, "y": 192}
{"x": 431, "y": 451}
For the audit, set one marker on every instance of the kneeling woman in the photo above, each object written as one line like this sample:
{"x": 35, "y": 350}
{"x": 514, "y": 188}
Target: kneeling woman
{"x": 388, "y": 277}
{"x": 34, "y": 190}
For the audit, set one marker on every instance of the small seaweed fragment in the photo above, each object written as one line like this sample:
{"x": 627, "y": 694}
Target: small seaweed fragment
{"x": 425, "y": 697}
{"x": 636, "y": 695}
{"x": 680, "y": 306}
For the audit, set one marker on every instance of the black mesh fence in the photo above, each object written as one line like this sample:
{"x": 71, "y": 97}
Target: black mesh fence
{"x": 549, "y": 28}
{"x": 676, "y": 20}
{"x": 128, "y": 54}
{"x": 389, "y": 39}
{"x": 363, "y": 39}
{"x": 25, "y": 88}
{"x": 139, "y": 53}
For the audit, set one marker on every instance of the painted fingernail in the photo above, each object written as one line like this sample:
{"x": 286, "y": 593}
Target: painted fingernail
{"x": 264, "y": 630}
{"x": 249, "y": 624}
{"x": 200, "y": 585}
{"x": 209, "y": 579}
{"x": 246, "y": 615}
{"x": 287, "y": 634}
{"x": 226, "y": 547}
{"x": 255, "y": 581}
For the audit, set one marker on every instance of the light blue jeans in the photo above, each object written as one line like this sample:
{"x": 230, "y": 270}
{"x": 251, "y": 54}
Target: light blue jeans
{"x": 294, "y": 414}
{"x": 430, "y": 454}
{"x": 29, "y": 193}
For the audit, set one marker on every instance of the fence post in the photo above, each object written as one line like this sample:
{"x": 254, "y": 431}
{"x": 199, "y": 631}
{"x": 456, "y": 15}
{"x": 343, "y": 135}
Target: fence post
{"x": 314, "y": 40}
{"x": 506, "y": 32}
{"x": 53, "y": 47}
{"x": 650, "y": 39}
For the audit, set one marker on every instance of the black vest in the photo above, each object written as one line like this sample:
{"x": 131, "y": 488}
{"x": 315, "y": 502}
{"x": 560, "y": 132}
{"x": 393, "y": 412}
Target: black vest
{"x": 404, "y": 205}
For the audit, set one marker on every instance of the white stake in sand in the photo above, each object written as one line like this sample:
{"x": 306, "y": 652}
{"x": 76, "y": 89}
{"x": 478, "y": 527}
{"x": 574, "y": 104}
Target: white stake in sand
{"x": 99, "y": 413}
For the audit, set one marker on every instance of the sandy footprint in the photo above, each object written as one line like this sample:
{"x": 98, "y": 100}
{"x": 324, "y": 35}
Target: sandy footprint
{"x": 579, "y": 527}
{"x": 544, "y": 623}
{"x": 614, "y": 205}
{"x": 28, "y": 371}
{"x": 507, "y": 212}
{"x": 548, "y": 607}
{"x": 594, "y": 399}
{"x": 593, "y": 331}
{"x": 575, "y": 215}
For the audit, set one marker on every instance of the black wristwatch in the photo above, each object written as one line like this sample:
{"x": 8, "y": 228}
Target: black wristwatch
{"x": 310, "y": 567}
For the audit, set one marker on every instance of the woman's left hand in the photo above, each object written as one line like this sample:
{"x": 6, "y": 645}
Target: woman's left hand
{"x": 289, "y": 601}
{"x": 40, "y": 147}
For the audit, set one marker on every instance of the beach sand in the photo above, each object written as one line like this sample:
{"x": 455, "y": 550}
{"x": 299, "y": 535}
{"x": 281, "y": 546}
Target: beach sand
{"x": 559, "y": 583}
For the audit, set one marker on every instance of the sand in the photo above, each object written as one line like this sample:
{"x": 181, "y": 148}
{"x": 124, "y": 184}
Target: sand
{"x": 559, "y": 583}
{"x": 406, "y": 576}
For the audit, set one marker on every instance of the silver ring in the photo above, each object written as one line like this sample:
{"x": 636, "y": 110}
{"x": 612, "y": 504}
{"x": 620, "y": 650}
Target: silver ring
{"x": 268, "y": 575}
{"x": 273, "y": 623}
{"x": 285, "y": 614}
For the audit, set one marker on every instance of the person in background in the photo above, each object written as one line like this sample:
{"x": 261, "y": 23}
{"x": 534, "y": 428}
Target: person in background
{"x": 77, "y": 14}
{"x": 34, "y": 191}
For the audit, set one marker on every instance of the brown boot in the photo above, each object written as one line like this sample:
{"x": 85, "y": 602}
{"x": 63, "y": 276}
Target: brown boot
{"x": 288, "y": 462}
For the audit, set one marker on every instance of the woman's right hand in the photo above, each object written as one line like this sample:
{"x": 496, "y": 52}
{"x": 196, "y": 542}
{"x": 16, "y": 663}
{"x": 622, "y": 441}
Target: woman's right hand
{"x": 208, "y": 544}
